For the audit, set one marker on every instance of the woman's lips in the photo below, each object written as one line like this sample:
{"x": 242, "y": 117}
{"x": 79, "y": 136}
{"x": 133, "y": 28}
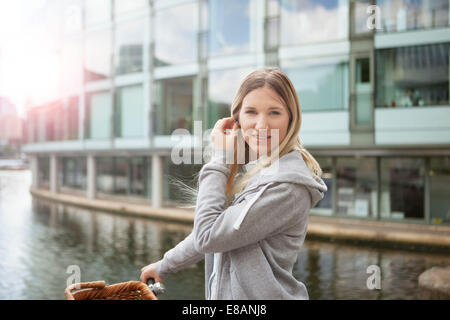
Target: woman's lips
{"x": 261, "y": 139}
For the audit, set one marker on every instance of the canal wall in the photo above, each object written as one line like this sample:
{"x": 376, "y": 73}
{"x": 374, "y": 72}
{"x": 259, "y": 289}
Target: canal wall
{"x": 397, "y": 234}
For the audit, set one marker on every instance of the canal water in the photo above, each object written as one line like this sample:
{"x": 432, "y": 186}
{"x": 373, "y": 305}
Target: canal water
{"x": 41, "y": 243}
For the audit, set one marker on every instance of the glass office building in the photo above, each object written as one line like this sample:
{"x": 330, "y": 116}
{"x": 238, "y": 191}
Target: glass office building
{"x": 372, "y": 78}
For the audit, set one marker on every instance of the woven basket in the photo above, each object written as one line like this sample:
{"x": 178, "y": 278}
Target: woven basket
{"x": 96, "y": 290}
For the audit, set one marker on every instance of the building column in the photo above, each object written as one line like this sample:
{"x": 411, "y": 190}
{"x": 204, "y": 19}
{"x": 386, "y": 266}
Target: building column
{"x": 34, "y": 167}
{"x": 91, "y": 176}
{"x": 157, "y": 181}
{"x": 54, "y": 173}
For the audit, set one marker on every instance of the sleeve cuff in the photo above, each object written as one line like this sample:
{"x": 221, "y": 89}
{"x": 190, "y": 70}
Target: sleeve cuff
{"x": 162, "y": 272}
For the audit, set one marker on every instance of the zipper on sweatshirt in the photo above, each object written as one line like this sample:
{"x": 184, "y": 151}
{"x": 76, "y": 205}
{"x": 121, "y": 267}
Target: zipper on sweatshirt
{"x": 219, "y": 271}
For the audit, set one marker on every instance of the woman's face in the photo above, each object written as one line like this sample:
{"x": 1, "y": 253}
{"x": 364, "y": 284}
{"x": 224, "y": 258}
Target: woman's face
{"x": 263, "y": 114}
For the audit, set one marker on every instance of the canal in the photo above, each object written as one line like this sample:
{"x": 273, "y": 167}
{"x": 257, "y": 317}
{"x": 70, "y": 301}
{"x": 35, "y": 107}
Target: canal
{"x": 40, "y": 241}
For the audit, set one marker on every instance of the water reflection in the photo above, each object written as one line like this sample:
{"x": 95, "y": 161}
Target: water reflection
{"x": 40, "y": 239}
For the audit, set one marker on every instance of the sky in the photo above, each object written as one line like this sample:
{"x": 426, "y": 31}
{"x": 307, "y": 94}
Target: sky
{"x": 29, "y": 53}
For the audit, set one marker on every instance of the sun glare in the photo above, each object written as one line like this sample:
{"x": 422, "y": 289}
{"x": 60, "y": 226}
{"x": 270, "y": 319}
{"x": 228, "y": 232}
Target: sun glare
{"x": 29, "y": 62}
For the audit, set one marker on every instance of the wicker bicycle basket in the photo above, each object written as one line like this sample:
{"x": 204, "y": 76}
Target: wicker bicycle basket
{"x": 97, "y": 290}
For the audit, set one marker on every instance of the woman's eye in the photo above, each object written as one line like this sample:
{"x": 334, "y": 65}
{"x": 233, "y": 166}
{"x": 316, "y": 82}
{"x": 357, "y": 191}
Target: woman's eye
{"x": 273, "y": 112}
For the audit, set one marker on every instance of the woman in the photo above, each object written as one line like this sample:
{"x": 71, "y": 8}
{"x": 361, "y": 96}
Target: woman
{"x": 251, "y": 218}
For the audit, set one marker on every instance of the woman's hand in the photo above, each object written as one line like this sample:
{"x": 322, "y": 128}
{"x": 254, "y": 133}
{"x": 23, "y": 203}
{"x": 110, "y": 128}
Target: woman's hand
{"x": 149, "y": 272}
{"x": 222, "y": 137}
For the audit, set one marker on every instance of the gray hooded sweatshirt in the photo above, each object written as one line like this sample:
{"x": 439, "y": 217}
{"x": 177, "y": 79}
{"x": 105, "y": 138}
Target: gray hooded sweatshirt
{"x": 256, "y": 238}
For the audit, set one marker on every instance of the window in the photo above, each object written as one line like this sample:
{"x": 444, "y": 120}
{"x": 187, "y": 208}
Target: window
{"x": 229, "y": 27}
{"x": 97, "y": 11}
{"x": 272, "y": 29}
{"x": 325, "y": 206}
{"x": 97, "y": 55}
{"x": 174, "y": 105}
{"x": 403, "y": 15}
{"x": 356, "y": 187}
{"x": 321, "y": 86}
{"x": 105, "y": 174}
{"x": 57, "y": 117}
{"x": 413, "y": 76}
{"x": 44, "y": 172}
{"x": 308, "y": 21}
{"x": 176, "y": 34}
{"x": 439, "y": 191}
{"x": 402, "y": 188}
{"x": 41, "y": 125}
{"x": 130, "y": 114}
{"x": 222, "y": 87}
{"x": 138, "y": 176}
{"x": 73, "y": 15}
{"x": 186, "y": 173}
{"x": 74, "y": 172}
{"x": 123, "y": 176}
{"x": 360, "y": 16}
{"x": 363, "y": 92}
{"x": 98, "y": 115}
{"x": 129, "y": 39}
{"x": 72, "y": 118}
{"x": 125, "y": 6}
{"x": 72, "y": 64}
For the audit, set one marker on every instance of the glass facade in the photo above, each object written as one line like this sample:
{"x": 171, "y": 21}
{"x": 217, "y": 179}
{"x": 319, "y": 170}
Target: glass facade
{"x": 72, "y": 118}
{"x": 129, "y": 43}
{"x": 112, "y": 43}
{"x": 129, "y": 113}
{"x": 403, "y": 15}
{"x": 120, "y": 175}
{"x": 272, "y": 25}
{"x": 139, "y": 171}
{"x": 97, "y": 55}
{"x": 176, "y": 31}
{"x": 105, "y": 174}
{"x": 439, "y": 191}
{"x": 174, "y": 105}
{"x": 326, "y": 86}
{"x": 413, "y": 76}
{"x": 73, "y": 172}
{"x": 98, "y": 115}
{"x": 97, "y": 11}
{"x": 360, "y": 16}
{"x": 72, "y": 65}
{"x": 222, "y": 87}
{"x": 44, "y": 172}
{"x": 123, "y": 176}
{"x": 402, "y": 188}
{"x": 186, "y": 173}
{"x": 363, "y": 92}
{"x": 229, "y": 27}
{"x": 356, "y": 180}
{"x": 309, "y": 21}
{"x": 325, "y": 206}
{"x": 74, "y": 15}
{"x": 127, "y": 6}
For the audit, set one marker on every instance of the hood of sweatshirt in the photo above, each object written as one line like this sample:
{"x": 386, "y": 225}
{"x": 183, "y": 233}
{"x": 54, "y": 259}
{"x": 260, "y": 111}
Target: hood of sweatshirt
{"x": 289, "y": 168}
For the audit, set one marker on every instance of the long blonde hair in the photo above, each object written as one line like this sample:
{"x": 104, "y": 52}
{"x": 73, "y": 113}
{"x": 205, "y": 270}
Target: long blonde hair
{"x": 275, "y": 79}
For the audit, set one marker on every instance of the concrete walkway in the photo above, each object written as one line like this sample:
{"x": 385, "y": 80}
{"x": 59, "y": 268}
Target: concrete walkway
{"x": 393, "y": 233}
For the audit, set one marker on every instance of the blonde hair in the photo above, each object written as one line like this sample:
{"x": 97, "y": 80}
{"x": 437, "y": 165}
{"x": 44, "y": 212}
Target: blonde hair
{"x": 275, "y": 79}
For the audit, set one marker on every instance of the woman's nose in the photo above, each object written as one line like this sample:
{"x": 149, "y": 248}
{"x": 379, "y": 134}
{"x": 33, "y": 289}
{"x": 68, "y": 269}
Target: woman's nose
{"x": 262, "y": 123}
